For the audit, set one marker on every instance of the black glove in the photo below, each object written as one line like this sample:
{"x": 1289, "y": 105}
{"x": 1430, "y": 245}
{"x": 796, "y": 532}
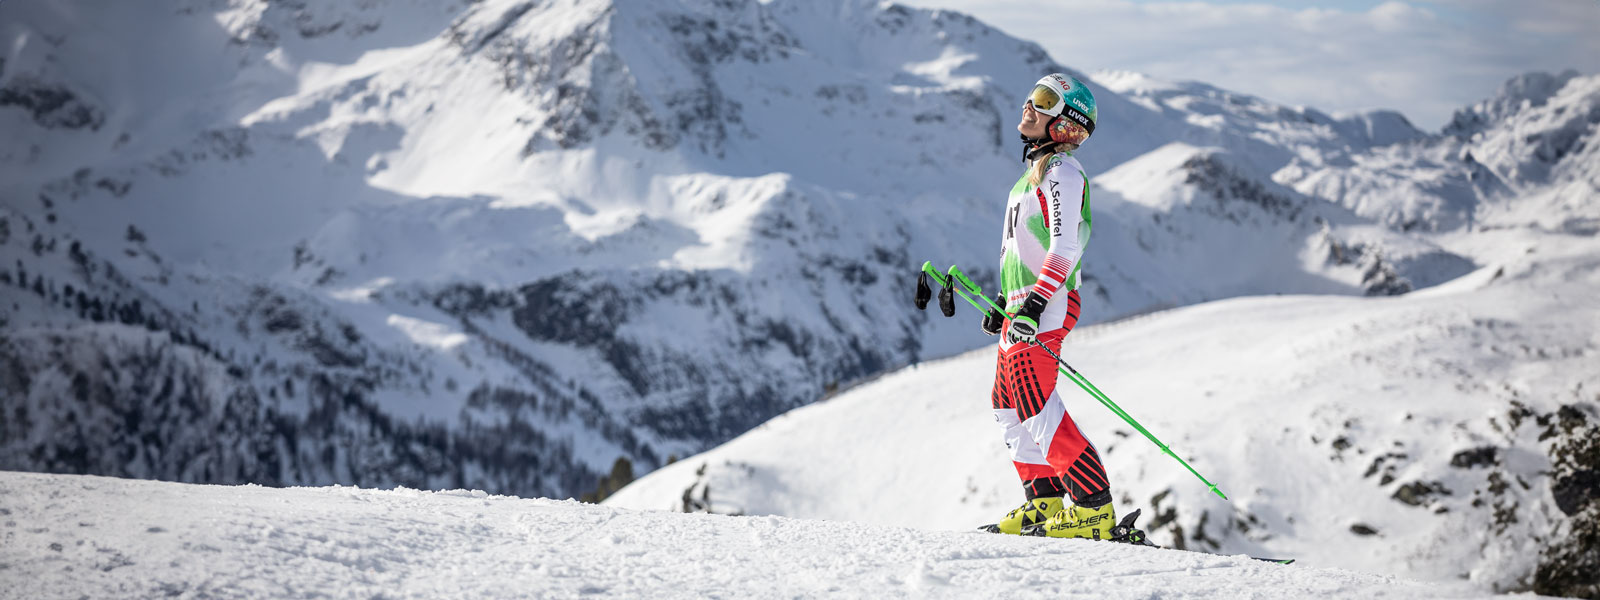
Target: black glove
{"x": 924, "y": 293}
{"x": 947, "y": 300}
{"x": 1025, "y": 326}
{"x": 993, "y": 321}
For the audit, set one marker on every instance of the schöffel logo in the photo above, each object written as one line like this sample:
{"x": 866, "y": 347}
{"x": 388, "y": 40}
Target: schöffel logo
{"x": 1055, "y": 206}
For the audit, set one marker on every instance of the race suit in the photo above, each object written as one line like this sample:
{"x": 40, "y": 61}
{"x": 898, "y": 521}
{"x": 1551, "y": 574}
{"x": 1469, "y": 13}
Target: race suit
{"x": 1045, "y": 230}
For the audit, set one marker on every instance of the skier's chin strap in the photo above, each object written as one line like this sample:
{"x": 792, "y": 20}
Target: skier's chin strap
{"x": 1032, "y": 149}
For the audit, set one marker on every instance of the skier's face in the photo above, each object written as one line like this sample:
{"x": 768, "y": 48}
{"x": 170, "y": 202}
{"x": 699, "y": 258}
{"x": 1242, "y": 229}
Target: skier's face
{"x": 1032, "y": 124}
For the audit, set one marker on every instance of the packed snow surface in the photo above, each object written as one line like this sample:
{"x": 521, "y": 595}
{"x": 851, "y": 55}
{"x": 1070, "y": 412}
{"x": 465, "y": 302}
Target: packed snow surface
{"x": 84, "y": 536}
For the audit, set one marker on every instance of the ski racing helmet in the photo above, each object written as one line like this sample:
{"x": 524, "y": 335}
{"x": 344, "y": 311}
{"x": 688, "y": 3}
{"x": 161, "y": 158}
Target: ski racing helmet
{"x": 1070, "y": 106}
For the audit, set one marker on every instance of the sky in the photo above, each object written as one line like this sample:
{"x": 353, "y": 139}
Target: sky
{"x": 1423, "y": 58}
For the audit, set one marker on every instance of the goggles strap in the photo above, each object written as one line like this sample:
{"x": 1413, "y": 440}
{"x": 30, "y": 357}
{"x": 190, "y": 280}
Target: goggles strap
{"x": 1069, "y": 112}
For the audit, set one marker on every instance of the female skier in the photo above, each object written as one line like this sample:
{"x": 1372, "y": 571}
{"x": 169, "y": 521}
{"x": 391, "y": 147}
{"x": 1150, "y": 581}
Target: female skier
{"x": 1045, "y": 230}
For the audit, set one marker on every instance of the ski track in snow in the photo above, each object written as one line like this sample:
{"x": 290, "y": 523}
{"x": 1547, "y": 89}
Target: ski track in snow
{"x": 84, "y": 536}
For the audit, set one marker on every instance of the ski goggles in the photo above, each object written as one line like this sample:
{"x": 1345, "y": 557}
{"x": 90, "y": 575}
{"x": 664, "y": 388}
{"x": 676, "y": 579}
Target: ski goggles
{"x": 1048, "y": 101}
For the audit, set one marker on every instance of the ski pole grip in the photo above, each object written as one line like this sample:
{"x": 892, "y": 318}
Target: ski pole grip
{"x": 957, "y": 276}
{"x": 967, "y": 285}
{"x": 927, "y": 267}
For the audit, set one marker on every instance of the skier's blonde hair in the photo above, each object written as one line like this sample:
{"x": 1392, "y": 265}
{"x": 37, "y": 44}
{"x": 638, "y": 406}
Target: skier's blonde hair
{"x": 1036, "y": 170}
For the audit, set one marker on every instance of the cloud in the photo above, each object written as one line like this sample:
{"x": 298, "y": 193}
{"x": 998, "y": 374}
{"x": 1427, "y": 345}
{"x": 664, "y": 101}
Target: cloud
{"x": 1423, "y": 58}
{"x": 1399, "y": 17}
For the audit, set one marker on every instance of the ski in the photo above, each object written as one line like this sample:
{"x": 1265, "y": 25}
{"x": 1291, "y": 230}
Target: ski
{"x": 1126, "y": 533}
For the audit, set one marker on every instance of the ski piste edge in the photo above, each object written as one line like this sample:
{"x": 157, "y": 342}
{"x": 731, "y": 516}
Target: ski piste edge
{"x": 1126, "y": 533}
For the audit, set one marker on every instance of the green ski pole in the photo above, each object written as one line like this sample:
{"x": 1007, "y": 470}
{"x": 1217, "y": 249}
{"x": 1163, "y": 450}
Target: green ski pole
{"x": 958, "y": 281}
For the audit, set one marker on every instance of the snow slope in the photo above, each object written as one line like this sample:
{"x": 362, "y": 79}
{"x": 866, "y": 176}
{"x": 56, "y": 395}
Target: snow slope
{"x": 73, "y": 536}
{"x": 1447, "y": 434}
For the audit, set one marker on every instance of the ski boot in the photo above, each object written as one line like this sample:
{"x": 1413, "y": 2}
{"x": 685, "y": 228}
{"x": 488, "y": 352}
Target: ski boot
{"x": 1077, "y": 522}
{"x": 1031, "y": 513}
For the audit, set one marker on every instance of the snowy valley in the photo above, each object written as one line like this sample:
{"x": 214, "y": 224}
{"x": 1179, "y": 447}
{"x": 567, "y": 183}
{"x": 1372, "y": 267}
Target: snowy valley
{"x": 537, "y": 249}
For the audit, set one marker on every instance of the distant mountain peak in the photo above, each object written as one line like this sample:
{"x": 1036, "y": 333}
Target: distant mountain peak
{"x": 1528, "y": 90}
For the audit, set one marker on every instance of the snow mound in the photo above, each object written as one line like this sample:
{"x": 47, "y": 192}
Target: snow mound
{"x": 101, "y": 537}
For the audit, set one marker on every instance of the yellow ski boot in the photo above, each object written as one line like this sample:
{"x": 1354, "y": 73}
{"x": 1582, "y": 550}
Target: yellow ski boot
{"x": 1077, "y": 522}
{"x": 1031, "y": 513}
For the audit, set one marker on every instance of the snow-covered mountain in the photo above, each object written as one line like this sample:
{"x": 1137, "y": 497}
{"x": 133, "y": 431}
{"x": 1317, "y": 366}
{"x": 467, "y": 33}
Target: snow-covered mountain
{"x": 505, "y": 244}
{"x": 493, "y": 244}
{"x": 539, "y": 248}
{"x": 99, "y": 537}
{"x": 523, "y": 246}
{"x": 1529, "y": 152}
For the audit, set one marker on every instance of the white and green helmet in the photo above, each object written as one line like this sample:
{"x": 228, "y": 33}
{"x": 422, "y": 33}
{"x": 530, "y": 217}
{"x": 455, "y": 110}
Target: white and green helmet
{"x": 1070, "y": 106}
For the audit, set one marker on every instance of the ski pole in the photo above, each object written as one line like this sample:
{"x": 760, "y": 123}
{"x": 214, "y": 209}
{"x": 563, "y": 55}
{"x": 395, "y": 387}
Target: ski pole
{"x": 955, "y": 280}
